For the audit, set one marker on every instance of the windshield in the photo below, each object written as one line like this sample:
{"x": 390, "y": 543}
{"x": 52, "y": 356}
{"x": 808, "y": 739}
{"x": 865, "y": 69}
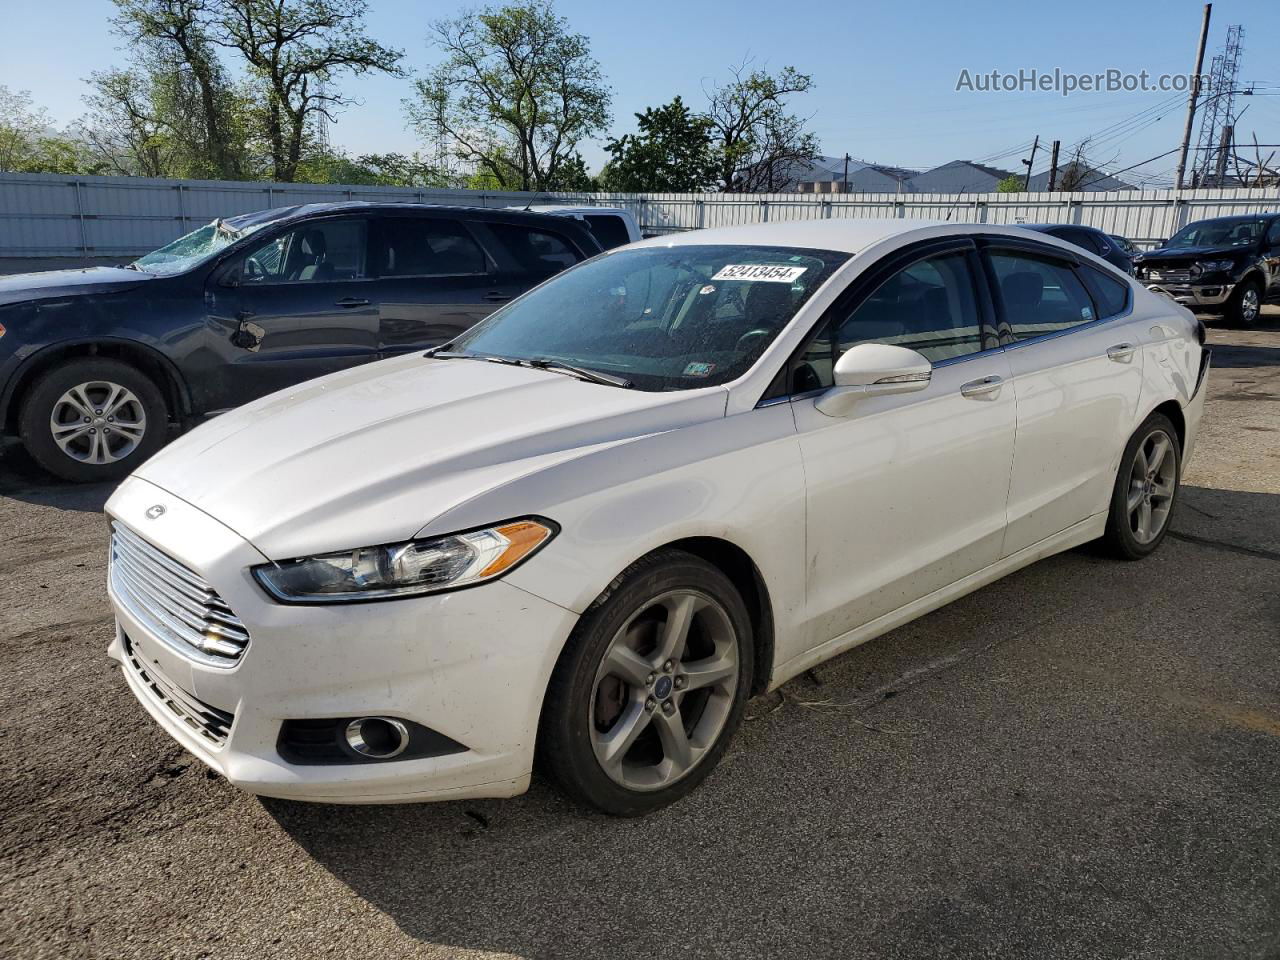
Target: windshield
{"x": 664, "y": 318}
{"x": 185, "y": 252}
{"x": 1226, "y": 232}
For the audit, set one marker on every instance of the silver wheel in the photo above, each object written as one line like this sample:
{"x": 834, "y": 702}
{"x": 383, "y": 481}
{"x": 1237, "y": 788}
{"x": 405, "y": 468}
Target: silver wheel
{"x": 1153, "y": 480}
{"x": 1249, "y": 305}
{"x": 664, "y": 690}
{"x": 98, "y": 422}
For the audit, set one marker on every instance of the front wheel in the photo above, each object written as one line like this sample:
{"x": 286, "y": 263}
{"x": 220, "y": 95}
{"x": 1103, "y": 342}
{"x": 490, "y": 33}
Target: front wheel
{"x": 1245, "y": 305}
{"x": 1145, "y": 491}
{"x": 650, "y": 687}
{"x": 93, "y": 419}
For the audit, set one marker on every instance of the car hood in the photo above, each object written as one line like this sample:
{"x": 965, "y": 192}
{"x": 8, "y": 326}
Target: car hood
{"x": 373, "y": 454}
{"x": 21, "y": 287}
{"x": 1165, "y": 254}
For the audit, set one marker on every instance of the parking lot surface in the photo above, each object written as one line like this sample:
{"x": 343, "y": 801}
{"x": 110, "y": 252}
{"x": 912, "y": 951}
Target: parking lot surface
{"x": 1080, "y": 760}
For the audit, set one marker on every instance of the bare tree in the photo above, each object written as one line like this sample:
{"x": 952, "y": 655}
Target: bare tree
{"x": 515, "y": 95}
{"x": 760, "y": 145}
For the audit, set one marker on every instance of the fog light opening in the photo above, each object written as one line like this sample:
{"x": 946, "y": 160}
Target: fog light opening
{"x": 378, "y": 738}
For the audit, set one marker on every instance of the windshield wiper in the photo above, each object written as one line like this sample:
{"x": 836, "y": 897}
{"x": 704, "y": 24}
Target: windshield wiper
{"x": 540, "y": 363}
{"x": 582, "y": 373}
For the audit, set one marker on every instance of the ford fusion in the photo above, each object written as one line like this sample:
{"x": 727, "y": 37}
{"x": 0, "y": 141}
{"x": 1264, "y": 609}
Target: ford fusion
{"x": 581, "y": 534}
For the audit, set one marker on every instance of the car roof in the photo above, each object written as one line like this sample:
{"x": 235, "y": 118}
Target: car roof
{"x": 842, "y": 235}
{"x": 365, "y": 206}
{"x": 561, "y": 209}
{"x": 1045, "y": 227}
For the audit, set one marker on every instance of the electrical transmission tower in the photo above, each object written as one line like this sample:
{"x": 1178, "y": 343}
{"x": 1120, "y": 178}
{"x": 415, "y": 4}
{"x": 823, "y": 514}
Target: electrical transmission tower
{"x": 1218, "y": 105}
{"x": 320, "y": 122}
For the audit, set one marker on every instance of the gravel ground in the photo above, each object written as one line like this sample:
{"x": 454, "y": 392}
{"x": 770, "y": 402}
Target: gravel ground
{"x": 1080, "y": 760}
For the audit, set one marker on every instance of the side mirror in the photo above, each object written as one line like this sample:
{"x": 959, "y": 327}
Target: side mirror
{"x": 873, "y": 370}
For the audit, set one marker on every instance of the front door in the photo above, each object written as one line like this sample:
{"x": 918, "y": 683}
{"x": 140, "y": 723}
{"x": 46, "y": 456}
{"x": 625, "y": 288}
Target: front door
{"x": 294, "y": 307}
{"x": 906, "y": 494}
{"x": 1077, "y": 376}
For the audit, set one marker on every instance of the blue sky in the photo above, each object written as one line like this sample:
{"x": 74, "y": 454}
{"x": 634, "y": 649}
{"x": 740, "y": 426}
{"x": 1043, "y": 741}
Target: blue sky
{"x": 885, "y": 74}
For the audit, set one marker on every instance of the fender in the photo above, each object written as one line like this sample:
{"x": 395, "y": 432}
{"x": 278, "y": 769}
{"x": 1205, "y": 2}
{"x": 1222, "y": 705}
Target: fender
{"x": 176, "y": 385}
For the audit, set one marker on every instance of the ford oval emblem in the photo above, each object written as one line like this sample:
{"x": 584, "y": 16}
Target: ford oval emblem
{"x": 155, "y": 512}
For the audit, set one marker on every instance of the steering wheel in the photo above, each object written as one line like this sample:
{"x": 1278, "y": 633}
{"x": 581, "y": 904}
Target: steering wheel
{"x": 747, "y": 340}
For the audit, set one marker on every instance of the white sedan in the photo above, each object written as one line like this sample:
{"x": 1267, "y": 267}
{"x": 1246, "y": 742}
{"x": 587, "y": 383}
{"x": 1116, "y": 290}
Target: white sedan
{"x": 588, "y": 529}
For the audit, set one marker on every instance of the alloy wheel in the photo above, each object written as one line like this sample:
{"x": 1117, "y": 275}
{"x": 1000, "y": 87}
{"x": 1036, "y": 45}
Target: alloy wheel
{"x": 1249, "y": 305}
{"x": 664, "y": 690}
{"x": 98, "y": 422}
{"x": 1152, "y": 483}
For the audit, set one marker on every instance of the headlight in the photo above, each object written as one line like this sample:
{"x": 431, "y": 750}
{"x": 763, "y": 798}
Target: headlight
{"x": 1213, "y": 266}
{"x": 406, "y": 569}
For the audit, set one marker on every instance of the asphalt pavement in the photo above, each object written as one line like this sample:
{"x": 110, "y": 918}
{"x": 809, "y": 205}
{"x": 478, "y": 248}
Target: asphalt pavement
{"x": 1081, "y": 760}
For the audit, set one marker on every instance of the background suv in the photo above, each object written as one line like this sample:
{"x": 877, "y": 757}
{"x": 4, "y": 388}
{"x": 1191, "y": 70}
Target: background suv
{"x": 95, "y": 363}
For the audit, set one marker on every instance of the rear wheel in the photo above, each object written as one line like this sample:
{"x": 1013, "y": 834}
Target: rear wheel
{"x": 93, "y": 419}
{"x": 1145, "y": 491}
{"x": 650, "y": 688}
{"x": 1245, "y": 304}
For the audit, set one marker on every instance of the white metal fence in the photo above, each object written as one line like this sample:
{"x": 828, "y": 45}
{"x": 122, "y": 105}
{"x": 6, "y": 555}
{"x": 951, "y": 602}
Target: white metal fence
{"x": 46, "y": 215}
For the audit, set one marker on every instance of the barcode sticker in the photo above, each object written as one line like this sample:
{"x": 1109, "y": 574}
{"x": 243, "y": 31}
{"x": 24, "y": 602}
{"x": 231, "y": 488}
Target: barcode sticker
{"x": 769, "y": 272}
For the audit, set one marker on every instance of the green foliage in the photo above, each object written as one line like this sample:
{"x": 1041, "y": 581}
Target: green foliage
{"x": 373, "y": 169}
{"x": 672, "y": 152}
{"x": 1010, "y": 184}
{"x": 29, "y": 143}
{"x": 514, "y": 96}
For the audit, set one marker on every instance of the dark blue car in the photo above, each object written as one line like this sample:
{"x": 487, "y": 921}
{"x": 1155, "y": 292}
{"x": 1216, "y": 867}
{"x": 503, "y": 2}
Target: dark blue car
{"x": 96, "y": 364}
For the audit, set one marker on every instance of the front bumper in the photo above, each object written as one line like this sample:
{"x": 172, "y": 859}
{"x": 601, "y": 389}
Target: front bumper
{"x": 1204, "y": 295}
{"x": 472, "y": 665}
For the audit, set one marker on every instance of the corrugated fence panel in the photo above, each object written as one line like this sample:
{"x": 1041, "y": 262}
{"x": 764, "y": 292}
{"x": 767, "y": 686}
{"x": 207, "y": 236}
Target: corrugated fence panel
{"x": 46, "y": 215}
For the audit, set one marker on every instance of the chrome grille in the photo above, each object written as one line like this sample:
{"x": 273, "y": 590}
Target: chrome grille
{"x": 209, "y": 723}
{"x": 173, "y": 601}
{"x": 1170, "y": 276}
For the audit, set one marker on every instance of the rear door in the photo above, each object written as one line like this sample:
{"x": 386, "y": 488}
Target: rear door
{"x": 434, "y": 280}
{"x": 527, "y": 254}
{"x": 1077, "y": 376}
{"x": 295, "y": 306}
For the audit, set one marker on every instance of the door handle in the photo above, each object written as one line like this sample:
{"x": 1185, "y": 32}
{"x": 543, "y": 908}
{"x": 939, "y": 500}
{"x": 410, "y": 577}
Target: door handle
{"x": 497, "y": 297}
{"x": 986, "y": 388}
{"x": 351, "y": 302}
{"x": 1121, "y": 352}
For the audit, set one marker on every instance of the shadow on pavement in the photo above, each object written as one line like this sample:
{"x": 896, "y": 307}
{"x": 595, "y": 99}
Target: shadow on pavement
{"x": 22, "y": 479}
{"x": 1059, "y": 758}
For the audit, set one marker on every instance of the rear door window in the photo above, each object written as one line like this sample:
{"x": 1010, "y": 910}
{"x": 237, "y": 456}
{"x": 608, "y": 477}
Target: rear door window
{"x": 427, "y": 247}
{"x": 610, "y": 230}
{"x": 1110, "y": 295}
{"x": 1040, "y": 295}
{"x": 535, "y": 252}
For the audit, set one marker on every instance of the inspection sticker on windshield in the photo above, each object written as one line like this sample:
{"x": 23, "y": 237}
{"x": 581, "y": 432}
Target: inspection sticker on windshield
{"x": 770, "y": 272}
{"x": 699, "y": 369}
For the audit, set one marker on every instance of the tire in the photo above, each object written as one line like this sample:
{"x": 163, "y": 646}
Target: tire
{"x": 1245, "y": 305}
{"x": 607, "y": 736}
{"x": 94, "y": 446}
{"x": 1144, "y": 487}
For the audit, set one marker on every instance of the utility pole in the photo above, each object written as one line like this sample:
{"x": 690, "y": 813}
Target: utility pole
{"x": 845, "y": 188}
{"x": 1053, "y": 166}
{"x": 1026, "y": 182}
{"x": 1191, "y": 100}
